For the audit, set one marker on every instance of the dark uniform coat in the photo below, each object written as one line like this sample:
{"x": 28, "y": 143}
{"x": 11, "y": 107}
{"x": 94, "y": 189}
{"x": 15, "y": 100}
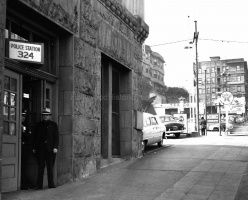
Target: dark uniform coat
{"x": 52, "y": 136}
{"x": 46, "y": 138}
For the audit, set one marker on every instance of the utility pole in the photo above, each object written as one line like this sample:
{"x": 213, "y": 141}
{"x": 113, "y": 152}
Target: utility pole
{"x": 206, "y": 100}
{"x": 195, "y": 39}
{"x": 219, "y": 108}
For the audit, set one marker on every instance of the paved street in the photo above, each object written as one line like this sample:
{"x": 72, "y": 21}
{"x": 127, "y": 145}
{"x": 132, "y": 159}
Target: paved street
{"x": 211, "y": 167}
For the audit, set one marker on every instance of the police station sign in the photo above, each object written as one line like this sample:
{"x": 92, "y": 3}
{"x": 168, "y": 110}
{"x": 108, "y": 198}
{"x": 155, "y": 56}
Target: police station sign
{"x": 26, "y": 51}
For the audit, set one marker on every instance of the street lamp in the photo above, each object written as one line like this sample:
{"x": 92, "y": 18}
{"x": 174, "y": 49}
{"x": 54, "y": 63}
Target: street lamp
{"x": 219, "y": 104}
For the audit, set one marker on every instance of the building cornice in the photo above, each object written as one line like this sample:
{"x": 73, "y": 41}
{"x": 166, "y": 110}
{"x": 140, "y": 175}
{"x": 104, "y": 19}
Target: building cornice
{"x": 135, "y": 23}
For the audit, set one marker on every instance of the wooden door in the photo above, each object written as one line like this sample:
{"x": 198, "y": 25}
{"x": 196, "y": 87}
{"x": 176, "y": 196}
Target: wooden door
{"x": 11, "y": 130}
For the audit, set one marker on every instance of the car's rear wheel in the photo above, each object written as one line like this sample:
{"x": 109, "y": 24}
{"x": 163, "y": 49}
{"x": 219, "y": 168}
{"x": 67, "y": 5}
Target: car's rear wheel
{"x": 177, "y": 135}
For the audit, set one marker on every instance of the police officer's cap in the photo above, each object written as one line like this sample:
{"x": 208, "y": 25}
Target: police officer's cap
{"x": 46, "y": 111}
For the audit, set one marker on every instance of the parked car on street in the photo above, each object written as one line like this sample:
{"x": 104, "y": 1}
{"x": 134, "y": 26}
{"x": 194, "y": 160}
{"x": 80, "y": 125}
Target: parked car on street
{"x": 153, "y": 130}
{"x": 215, "y": 126}
{"x": 240, "y": 120}
{"x": 172, "y": 125}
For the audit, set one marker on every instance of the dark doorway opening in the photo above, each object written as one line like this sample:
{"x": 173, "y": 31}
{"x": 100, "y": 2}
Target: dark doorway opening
{"x": 115, "y": 113}
{"x": 110, "y": 108}
{"x": 30, "y": 102}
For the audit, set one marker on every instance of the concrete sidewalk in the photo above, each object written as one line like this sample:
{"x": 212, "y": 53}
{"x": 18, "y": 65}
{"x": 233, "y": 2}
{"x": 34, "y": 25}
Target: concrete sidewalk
{"x": 211, "y": 167}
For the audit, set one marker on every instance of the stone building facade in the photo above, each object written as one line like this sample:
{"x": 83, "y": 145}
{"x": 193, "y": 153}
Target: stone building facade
{"x": 90, "y": 78}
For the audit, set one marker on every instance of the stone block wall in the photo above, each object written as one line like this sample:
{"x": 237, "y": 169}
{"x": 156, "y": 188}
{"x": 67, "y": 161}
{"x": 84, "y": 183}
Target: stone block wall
{"x": 94, "y": 27}
{"x": 87, "y": 101}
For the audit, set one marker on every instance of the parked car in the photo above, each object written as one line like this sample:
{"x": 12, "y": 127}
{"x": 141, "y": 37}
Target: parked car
{"x": 240, "y": 119}
{"x": 172, "y": 125}
{"x": 153, "y": 131}
{"x": 215, "y": 126}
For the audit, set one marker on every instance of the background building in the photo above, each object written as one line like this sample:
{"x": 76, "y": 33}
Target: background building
{"x": 153, "y": 71}
{"x": 217, "y": 76}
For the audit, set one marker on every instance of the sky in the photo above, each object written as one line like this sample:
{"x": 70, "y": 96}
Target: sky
{"x": 222, "y": 27}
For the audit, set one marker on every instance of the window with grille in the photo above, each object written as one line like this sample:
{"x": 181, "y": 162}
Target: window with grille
{"x": 10, "y": 106}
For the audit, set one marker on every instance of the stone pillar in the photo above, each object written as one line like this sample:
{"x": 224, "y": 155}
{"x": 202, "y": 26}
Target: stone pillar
{"x": 126, "y": 114}
{"x": 65, "y": 111}
{"x": 3, "y": 6}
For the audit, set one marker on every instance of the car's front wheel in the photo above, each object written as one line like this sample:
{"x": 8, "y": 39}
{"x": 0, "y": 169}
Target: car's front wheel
{"x": 177, "y": 135}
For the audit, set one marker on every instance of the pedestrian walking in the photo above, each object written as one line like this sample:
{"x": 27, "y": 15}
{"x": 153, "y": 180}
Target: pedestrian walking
{"x": 45, "y": 147}
{"x": 203, "y": 124}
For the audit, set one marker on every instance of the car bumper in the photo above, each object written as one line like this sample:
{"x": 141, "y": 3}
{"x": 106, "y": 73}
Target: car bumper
{"x": 173, "y": 132}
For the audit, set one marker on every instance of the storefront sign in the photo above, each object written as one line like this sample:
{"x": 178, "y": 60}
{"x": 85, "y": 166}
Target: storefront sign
{"x": 226, "y": 98}
{"x": 26, "y": 51}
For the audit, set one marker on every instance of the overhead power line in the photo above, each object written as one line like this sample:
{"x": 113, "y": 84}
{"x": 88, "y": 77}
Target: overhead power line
{"x": 223, "y": 40}
{"x": 169, "y": 43}
{"x": 213, "y": 40}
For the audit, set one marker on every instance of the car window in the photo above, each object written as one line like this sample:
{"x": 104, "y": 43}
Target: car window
{"x": 148, "y": 122}
{"x": 154, "y": 121}
{"x": 167, "y": 118}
